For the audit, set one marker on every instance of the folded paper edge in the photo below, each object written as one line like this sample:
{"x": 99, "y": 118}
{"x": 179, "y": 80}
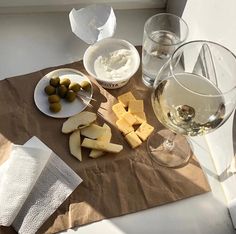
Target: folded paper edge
{"x": 30, "y": 187}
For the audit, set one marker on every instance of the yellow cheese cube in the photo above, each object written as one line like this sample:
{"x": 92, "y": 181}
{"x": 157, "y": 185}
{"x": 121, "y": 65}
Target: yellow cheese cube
{"x": 129, "y": 118}
{"x": 140, "y": 117}
{"x": 124, "y": 126}
{"x": 119, "y": 110}
{"x": 136, "y": 106}
{"x": 133, "y": 140}
{"x": 125, "y": 98}
{"x": 144, "y": 130}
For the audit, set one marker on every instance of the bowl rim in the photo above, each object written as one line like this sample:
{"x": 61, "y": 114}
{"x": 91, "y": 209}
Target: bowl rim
{"x": 112, "y": 40}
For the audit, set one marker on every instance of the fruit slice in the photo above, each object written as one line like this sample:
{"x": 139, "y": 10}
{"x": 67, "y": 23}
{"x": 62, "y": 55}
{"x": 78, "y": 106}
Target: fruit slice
{"x": 75, "y": 144}
{"x": 106, "y": 137}
{"x": 100, "y": 145}
{"x": 93, "y": 131}
{"x": 80, "y": 120}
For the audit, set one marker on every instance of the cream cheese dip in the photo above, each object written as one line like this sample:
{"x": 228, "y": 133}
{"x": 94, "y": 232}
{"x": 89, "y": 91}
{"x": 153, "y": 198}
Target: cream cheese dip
{"x": 112, "y": 62}
{"x": 115, "y": 65}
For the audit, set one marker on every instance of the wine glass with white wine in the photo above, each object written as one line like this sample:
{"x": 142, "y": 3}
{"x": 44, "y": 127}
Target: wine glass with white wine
{"x": 193, "y": 94}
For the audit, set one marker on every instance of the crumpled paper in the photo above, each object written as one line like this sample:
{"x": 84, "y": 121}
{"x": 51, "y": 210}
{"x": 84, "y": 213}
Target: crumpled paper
{"x": 93, "y": 23}
{"x": 113, "y": 185}
{"x": 34, "y": 182}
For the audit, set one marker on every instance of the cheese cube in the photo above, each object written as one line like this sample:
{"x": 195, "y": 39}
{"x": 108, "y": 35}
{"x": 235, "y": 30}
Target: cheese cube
{"x": 140, "y": 117}
{"x": 133, "y": 140}
{"x": 119, "y": 110}
{"x": 125, "y": 98}
{"x": 124, "y": 126}
{"x": 129, "y": 118}
{"x": 136, "y": 106}
{"x": 144, "y": 130}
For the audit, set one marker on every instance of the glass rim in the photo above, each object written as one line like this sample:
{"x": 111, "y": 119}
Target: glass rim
{"x": 174, "y": 16}
{"x": 183, "y": 86}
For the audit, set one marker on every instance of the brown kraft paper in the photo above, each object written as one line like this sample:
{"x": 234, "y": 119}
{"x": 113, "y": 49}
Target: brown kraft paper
{"x": 114, "y": 184}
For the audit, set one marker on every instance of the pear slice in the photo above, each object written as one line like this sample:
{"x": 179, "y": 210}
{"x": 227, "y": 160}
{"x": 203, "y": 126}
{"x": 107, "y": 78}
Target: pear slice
{"x": 100, "y": 145}
{"x": 93, "y": 131}
{"x": 75, "y": 144}
{"x": 106, "y": 137}
{"x": 78, "y": 121}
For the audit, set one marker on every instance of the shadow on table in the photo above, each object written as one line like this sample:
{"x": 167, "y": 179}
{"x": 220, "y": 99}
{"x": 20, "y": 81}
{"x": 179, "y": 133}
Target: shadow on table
{"x": 166, "y": 219}
{"x": 172, "y": 186}
{"x": 231, "y": 168}
{"x": 208, "y": 171}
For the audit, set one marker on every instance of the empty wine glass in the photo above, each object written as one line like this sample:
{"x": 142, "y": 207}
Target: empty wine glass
{"x": 193, "y": 94}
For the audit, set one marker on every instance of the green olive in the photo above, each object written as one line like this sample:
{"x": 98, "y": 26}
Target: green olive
{"x": 53, "y": 98}
{"x": 62, "y": 90}
{"x": 75, "y": 87}
{"x": 85, "y": 85}
{"x": 70, "y": 96}
{"x": 49, "y": 90}
{"x": 65, "y": 82}
{"x": 55, "y": 107}
{"x": 54, "y": 81}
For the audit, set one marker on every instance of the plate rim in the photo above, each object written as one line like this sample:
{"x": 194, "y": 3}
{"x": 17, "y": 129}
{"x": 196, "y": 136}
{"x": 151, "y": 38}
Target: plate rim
{"x": 51, "y": 74}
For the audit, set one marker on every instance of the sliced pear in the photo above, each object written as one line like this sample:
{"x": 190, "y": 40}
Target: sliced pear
{"x": 93, "y": 131}
{"x": 78, "y": 121}
{"x": 96, "y": 153}
{"x": 106, "y": 137}
{"x": 100, "y": 145}
{"x": 75, "y": 144}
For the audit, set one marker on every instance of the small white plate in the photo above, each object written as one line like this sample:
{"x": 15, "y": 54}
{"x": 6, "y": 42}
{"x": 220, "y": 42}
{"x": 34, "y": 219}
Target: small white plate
{"x": 67, "y": 108}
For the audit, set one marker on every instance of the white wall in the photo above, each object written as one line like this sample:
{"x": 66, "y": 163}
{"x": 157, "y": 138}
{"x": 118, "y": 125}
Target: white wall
{"x": 212, "y": 20}
{"x": 31, "y": 42}
{"x": 12, "y": 6}
{"x": 215, "y": 20}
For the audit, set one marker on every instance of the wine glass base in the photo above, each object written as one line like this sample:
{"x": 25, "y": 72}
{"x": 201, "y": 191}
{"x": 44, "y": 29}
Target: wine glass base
{"x": 166, "y": 154}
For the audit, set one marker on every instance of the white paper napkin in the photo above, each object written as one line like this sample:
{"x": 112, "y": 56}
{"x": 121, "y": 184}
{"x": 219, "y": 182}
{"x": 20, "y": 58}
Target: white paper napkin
{"x": 56, "y": 182}
{"x": 18, "y": 176}
{"x": 93, "y": 23}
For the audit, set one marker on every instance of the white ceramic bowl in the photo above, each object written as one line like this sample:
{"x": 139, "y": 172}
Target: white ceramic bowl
{"x": 103, "y": 48}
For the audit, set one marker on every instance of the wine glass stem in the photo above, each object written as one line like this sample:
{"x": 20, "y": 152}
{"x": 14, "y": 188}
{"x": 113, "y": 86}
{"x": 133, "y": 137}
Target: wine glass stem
{"x": 169, "y": 143}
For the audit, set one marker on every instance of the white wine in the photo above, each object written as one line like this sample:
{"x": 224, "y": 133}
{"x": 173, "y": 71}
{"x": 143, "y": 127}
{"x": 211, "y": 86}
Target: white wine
{"x": 188, "y": 104}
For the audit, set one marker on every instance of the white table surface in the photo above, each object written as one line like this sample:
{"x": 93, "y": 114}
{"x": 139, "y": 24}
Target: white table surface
{"x": 29, "y": 42}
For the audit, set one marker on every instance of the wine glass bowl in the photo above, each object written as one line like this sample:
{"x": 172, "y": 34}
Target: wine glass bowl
{"x": 193, "y": 94}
